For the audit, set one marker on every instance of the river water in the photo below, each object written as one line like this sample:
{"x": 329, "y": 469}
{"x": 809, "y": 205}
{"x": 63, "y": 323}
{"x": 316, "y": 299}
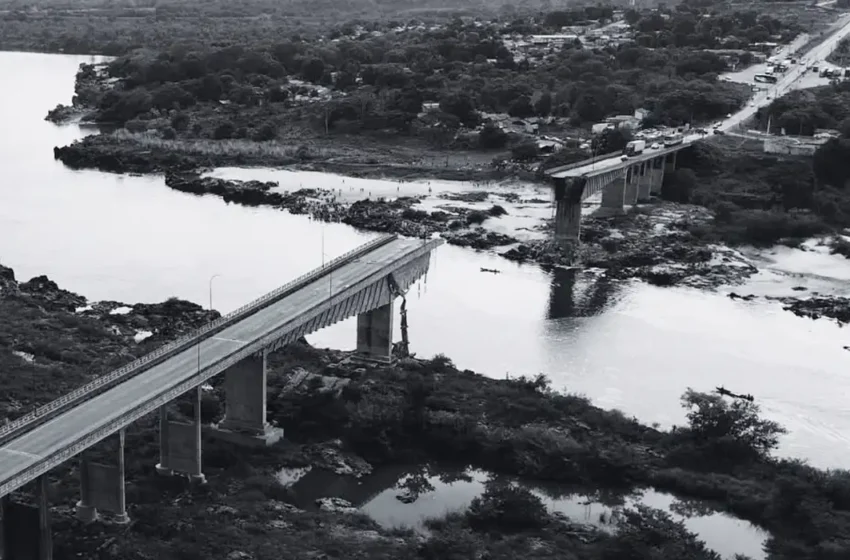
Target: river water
{"x": 629, "y": 346}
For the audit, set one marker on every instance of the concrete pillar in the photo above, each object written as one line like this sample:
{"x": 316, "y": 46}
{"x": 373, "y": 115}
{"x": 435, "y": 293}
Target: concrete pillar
{"x": 645, "y": 181}
{"x": 245, "y": 410}
{"x": 375, "y": 333}
{"x": 26, "y": 529}
{"x": 632, "y": 177}
{"x": 180, "y": 444}
{"x": 658, "y": 167}
{"x": 568, "y": 210}
{"x": 613, "y": 196}
{"x": 671, "y": 160}
{"x": 102, "y": 488}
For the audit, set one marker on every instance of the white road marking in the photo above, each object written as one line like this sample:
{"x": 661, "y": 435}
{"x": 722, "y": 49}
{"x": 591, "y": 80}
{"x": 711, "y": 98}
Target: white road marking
{"x": 20, "y": 453}
{"x": 229, "y": 340}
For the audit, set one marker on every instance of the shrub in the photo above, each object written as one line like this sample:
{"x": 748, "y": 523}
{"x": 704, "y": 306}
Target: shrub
{"x": 224, "y": 131}
{"x": 497, "y": 210}
{"x": 735, "y": 426}
{"x": 476, "y": 217}
{"x": 507, "y": 509}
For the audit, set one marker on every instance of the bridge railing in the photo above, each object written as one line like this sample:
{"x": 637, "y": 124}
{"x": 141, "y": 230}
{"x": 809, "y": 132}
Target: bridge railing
{"x": 31, "y": 419}
{"x": 582, "y": 163}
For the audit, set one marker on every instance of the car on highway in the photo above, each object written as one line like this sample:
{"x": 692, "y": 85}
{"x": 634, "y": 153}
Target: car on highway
{"x": 752, "y": 103}
{"x": 655, "y": 146}
{"x": 728, "y": 115}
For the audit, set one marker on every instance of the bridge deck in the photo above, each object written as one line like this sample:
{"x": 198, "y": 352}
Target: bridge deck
{"x": 58, "y": 434}
{"x": 595, "y": 168}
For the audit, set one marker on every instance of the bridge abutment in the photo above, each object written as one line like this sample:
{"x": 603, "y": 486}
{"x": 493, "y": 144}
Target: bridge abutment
{"x": 26, "y": 532}
{"x": 102, "y": 488}
{"x": 180, "y": 444}
{"x": 245, "y": 408}
{"x": 375, "y": 333}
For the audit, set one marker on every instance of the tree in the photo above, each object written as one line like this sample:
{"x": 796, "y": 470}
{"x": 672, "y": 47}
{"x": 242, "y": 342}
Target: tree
{"x": 832, "y": 163}
{"x": 313, "y": 69}
{"x": 713, "y": 419}
{"x": 611, "y": 140}
{"x": 492, "y": 137}
{"x": 521, "y": 107}
{"x": 526, "y": 151}
{"x": 224, "y": 131}
{"x": 462, "y": 106}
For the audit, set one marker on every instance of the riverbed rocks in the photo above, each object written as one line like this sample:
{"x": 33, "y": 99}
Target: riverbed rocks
{"x": 816, "y": 307}
{"x": 249, "y": 193}
{"x": 123, "y": 156}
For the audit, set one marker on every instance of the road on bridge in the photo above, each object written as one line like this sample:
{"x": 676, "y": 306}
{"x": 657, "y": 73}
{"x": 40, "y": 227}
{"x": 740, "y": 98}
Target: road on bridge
{"x": 53, "y": 440}
{"x": 785, "y": 84}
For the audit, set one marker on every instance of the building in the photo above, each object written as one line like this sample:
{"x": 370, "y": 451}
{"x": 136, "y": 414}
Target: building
{"x": 553, "y": 40}
{"x": 624, "y": 121}
{"x": 793, "y": 145}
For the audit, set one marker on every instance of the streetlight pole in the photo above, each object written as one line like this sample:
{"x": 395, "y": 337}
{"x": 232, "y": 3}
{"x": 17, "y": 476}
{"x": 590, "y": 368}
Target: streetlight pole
{"x": 213, "y": 277}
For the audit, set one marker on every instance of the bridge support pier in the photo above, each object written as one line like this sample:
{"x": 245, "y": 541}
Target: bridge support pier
{"x": 630, "y": 197}
{"x": 645, "y": 181}
{"x": 657, "y": 173}
{"x": 671, "y": 160}
{"x": 180, "y": 444}
{"x": 613, "y": 197}
{"x": 102, "y": 488}
{"x": 245, "y": 410}
{"x": 375, "y": 334}
{"x": 568, "y": 196}
{"x": 26, "y": 529}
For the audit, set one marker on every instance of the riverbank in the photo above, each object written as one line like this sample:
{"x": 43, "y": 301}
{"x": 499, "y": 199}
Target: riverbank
{"x": 52, "y": 340}
{"x": 652, "y": 243}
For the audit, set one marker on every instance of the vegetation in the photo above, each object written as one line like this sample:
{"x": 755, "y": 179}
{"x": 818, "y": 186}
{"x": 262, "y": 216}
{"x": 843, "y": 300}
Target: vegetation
{"x": 761, "y": 198}
{"x": 417, "y": 410}
{"x": 802, "y": 112}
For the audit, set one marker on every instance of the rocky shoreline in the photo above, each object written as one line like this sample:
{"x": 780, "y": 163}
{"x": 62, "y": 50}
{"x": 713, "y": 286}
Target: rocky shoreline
{"x": 652, "y": 244}
{"x": 347, "y": 417}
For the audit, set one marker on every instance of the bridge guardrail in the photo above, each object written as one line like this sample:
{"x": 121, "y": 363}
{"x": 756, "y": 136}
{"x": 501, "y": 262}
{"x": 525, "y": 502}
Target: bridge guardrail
{"x": 31, "y": 419}
{"x": 582, "y": 163}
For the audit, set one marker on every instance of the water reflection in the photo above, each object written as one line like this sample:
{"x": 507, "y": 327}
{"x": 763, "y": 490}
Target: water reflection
{"x": 579, "y": 293}
{"x": 406, "y": 496}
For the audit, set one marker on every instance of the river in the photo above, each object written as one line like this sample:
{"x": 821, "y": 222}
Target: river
{"x": 630, "y": 346}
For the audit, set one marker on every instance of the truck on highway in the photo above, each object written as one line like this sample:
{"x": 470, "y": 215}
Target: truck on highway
{"x": 635, "y": 147}
{"x": 673, "y": 140}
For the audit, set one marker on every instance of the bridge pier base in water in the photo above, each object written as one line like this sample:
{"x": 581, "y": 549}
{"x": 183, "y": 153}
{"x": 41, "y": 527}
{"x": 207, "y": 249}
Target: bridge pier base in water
{"x": 245, "y": 410}
{"x": 568, "y": 194}
{"x": 375, "y": 334}
{"x": 180, "y": 444}
{"x": 26, "y": 533}
{"x": 102, "y": 488}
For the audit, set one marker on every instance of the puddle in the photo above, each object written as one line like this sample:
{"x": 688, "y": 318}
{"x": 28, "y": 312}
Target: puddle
{"x": 380, "y": 496}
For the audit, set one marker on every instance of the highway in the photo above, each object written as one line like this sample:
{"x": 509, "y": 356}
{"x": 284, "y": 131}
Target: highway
{"x": 51, "y": 439}
{"x": 761, "y": 99}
